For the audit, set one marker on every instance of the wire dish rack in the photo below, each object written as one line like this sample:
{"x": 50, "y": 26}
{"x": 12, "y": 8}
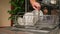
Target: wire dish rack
{"x": 40, "y": 24}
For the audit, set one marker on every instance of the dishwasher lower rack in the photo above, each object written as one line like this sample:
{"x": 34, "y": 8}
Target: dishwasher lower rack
{"x": 48, "y": 21}
{"x": 46, "y": 24}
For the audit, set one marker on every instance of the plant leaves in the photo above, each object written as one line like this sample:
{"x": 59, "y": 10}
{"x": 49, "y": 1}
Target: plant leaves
{"x": 18, "y": 8}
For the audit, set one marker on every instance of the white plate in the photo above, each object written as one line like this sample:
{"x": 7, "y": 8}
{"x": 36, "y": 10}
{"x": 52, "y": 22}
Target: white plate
{"x": 30, "y": 18}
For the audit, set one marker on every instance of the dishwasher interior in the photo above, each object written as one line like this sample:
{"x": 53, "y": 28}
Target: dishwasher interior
{"x": 46, "y": 24}
{"x": 37, "y": 24}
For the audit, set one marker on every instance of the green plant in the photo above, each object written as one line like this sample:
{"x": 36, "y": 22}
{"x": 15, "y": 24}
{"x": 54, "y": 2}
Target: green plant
{"x": 18, "y": 8}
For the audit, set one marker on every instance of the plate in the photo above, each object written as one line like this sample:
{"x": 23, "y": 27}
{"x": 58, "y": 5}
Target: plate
{"x": 30, "y": 18}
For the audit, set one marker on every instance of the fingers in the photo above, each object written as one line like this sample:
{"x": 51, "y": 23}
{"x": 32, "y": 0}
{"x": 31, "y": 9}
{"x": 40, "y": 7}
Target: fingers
{"x": 36, "y": 6}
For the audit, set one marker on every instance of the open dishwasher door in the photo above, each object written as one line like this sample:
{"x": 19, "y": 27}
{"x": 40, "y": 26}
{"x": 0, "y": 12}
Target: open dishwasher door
{"x": 48, "y": 25}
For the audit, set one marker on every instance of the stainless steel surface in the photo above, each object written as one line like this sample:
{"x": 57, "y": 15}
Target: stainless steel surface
{"x": 48, "y": 2}
{"x": 33, "y": 31}
{"x": 14, "y": 30}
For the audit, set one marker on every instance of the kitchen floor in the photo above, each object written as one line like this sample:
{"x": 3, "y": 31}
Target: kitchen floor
{"x": 9, "y": 31}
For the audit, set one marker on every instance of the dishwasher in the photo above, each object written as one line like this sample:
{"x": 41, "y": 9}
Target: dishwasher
{"x": 46, "y": 24}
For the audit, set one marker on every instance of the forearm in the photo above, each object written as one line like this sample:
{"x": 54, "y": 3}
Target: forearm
{"x": 32, "y": 1}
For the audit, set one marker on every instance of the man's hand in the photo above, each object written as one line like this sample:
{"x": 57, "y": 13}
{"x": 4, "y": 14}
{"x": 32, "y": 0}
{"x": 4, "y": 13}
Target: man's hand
{"x": 35, "y": 5}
